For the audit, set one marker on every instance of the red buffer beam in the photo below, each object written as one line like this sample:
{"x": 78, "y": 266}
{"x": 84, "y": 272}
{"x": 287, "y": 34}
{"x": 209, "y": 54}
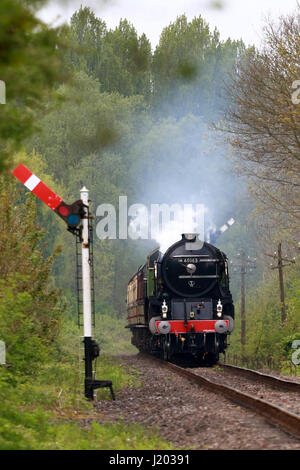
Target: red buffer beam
{"x": 71, "y": 214}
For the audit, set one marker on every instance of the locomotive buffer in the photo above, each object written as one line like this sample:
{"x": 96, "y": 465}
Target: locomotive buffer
{"x": 77, "y": 219}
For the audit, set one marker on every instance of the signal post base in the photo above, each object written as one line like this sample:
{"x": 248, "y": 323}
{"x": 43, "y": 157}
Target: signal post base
{"x": 91, "y": 352}
{"x": 91, "y": 384}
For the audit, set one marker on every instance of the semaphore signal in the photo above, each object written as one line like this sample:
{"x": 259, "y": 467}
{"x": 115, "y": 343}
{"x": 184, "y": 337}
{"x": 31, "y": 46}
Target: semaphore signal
{"x": 213, "y": 235}
{"x": 71, "y": 214}
{"x": 77, "y": 218}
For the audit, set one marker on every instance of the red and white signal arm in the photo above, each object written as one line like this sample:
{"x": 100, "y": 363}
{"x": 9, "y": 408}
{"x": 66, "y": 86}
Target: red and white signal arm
{"x": 71, "y": 214}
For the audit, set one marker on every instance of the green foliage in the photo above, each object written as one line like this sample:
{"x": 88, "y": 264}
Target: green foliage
{"x": 87, "y": 123}
{"x": 108, "y": 368}
{"x": 111, "y": 134}
{"x": 107, "y": 137}
{"x": 34, "y": 431}
{"x": 19, "y": 430}
{"x": 47, "y": 411}
{"x": 266, "y": 338}
{"x": 190, "y": 65}
{"x": 30, "y": 313}
{"x": 74, "y": 144}
{"x": 113, "y": 337}
{"x": 287, "y": 343}
{"x": 129, "y": 123}
{"x": 23, "y": 334}
{"x": 118, "y": 58}
{"x": 30, "y": 58}
{"x": 40, "y": 416}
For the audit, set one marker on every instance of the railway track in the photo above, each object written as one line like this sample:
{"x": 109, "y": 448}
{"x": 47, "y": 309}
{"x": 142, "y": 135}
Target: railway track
{"x": 274, "y": 414}
{"x": 267, "y": 379}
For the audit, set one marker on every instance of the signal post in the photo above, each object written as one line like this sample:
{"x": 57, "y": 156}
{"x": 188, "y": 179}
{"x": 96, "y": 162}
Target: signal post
{"x": 86, "y": 293}
{"x": 77, "y": 219}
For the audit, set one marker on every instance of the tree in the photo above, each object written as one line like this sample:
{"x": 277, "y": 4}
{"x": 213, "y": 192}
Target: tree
{"x": 30, "y": 313}
{"x": 118, "y": 58}
{"x": 88, "y": 141}
{"x": 86, "y": 39}
{"x": 189, "y": 65}
{"x": 29, "y": 65}
{"x": 88, "y": 122}
{"x": 125, "y": 67}
{"x": 263, "y": 121}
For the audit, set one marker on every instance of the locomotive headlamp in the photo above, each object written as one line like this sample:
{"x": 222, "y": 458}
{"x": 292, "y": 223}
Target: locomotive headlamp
{"x": 219, "y": 309}
{"x": 164, "y": 309}
{"x": 192, "y": 314}
{"x": 191, "y": 268}
{"x": 155, "y": 270}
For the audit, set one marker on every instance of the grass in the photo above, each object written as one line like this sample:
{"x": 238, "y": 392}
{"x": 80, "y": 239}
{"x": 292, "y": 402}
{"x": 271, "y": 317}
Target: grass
{"x": 45, "y": 408}
{"x": 40, "y": 431}
{"x": 109, "y": 369}
{"x": 49, "y": 412}
{"x": 113, "y": 337}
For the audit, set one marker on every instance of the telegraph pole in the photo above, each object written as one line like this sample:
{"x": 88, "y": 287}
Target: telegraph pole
{"x": 245, "y": 266}
{"x": 243, "y": 301}
{"x": 279, "y": 265}
{"x": 281, "y": 284}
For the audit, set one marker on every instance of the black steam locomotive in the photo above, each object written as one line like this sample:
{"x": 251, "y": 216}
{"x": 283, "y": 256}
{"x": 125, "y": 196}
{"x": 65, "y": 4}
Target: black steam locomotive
{"x": 179, "y": 303}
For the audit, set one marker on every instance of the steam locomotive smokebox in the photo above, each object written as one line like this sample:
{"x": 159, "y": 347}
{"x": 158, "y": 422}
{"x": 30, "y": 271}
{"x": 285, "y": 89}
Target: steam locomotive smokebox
{"x": 190, "y": 273}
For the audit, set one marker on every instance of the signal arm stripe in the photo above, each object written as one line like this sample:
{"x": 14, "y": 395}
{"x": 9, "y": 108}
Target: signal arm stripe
{"x": 224, "y": 228}
{"x": 32, "y": 182}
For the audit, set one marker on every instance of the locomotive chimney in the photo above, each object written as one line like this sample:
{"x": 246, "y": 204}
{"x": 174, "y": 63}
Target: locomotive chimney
{"x": 191, "y": 237}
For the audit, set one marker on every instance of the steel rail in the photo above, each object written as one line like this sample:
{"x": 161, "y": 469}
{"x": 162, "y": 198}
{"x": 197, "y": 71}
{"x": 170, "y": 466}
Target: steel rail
{"x": 267, "y": 379}
{"x": 280, "y": 417}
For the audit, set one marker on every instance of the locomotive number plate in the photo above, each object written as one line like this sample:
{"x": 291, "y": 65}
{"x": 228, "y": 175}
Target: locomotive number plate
{"x": 195, "y": 260}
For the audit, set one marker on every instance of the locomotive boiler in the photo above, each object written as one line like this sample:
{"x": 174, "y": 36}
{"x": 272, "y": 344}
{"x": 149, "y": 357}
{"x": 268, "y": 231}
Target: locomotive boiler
{"x": 179, "y": 303}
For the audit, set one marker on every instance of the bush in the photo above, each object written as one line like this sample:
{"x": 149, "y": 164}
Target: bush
{"x": 266, "y": 338}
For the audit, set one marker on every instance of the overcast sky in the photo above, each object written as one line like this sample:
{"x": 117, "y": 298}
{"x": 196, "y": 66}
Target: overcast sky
{"x": 236, "y": 19}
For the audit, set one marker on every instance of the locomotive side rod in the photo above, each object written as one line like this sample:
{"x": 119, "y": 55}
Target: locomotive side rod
{"x": 289, "y": 422}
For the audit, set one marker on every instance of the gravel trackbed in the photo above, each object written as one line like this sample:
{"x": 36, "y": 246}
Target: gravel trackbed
{"x": 187, "y": 415}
